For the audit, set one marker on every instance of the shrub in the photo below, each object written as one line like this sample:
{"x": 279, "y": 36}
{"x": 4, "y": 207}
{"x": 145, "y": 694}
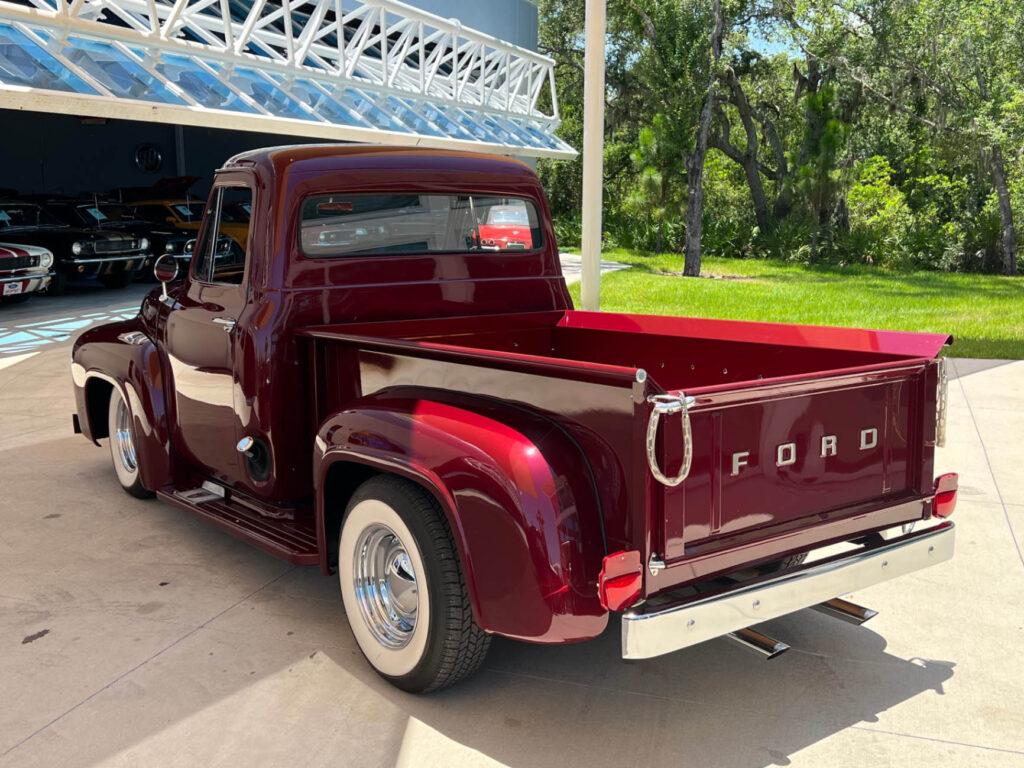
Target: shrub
{"x": 880, "y": 218}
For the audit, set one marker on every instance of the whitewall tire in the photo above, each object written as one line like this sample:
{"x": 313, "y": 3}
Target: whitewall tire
{"x": 403, "y": 590}
{"x": 123, "y": 452}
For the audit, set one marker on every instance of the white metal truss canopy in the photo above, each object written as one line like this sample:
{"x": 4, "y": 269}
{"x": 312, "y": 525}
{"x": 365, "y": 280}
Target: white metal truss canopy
{"x": 375, "y": 70}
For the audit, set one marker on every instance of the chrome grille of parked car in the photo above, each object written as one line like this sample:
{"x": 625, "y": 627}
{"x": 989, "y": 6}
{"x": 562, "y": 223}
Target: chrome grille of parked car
{"x": 115, "y": 246}
{"x": 19, "y": 262}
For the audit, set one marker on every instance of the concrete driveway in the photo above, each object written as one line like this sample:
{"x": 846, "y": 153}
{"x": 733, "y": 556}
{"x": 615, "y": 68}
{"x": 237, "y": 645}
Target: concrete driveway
{"x": 132, "y": 634}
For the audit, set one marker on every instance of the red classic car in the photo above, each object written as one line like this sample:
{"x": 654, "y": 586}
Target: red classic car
{"x": 24, "y": 270}
{"x": 367, "y": 388}
{"x": 508, "y": 227}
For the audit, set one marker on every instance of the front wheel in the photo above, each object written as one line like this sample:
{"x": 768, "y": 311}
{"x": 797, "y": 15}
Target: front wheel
{"x": 403, "y": 589}
{"x": 58, "y": 285}
{"x": 122, "y": 447}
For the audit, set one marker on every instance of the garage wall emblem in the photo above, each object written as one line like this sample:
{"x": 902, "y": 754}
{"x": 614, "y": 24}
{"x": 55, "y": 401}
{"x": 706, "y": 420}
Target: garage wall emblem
{"x": 148, "y": 158}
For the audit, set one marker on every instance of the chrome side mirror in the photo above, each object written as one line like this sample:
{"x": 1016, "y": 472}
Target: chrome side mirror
{"x": 166, "y": 270}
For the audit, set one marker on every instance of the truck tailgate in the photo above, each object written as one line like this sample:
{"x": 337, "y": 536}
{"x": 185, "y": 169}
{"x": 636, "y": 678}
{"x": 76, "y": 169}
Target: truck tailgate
{"x": 771, "y": 457}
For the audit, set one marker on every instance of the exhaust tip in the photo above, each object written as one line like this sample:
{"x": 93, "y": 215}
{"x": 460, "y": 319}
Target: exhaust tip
{"x": 846, "y": 611}
{"x": 751, "y": 639}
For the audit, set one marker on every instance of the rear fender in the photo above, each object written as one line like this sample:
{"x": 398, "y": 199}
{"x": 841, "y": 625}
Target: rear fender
{"x": 521, "y": 505}
{"x": 121, "y": 355}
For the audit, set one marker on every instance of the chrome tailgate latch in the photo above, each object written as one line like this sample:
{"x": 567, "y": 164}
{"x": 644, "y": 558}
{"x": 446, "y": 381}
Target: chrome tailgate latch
{"x": 941, "y": 404}
{"x": 666, "y": 405}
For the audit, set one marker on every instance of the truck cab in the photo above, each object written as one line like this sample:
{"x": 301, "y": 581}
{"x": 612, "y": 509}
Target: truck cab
{"x": 370, "y": 385}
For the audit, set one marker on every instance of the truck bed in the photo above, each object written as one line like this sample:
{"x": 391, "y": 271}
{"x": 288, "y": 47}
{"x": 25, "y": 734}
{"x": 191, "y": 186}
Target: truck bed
{"x": 680, "y": 353}
{"x": 762, "y": 482}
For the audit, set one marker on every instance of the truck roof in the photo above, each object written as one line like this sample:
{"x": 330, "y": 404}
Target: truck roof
{"x": 325, "y": 158}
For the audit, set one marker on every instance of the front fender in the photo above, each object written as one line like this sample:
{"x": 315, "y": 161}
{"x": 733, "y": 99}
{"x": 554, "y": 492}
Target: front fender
{"x": 521, "y": 505}
{"x": 121, "y": 355}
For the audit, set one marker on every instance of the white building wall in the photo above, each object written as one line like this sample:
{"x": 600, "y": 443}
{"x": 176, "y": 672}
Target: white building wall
{"x": 514, "y": 21}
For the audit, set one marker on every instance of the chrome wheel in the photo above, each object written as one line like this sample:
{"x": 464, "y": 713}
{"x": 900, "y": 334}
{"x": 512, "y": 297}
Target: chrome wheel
{"x": 385, "y": 586}
{"x": 124, "y": 454}
{"x": 124, "y": 447}
{"x": 402, "y": 588}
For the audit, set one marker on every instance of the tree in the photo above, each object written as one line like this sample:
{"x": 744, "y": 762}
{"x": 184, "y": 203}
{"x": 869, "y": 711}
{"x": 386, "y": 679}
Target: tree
{"x": 955, "y": 67}
{"x": 819, "y": 178}
{"x": 790, "y": 97}
{"x": 659, "y": 168}
{"x": 676, "y": 48}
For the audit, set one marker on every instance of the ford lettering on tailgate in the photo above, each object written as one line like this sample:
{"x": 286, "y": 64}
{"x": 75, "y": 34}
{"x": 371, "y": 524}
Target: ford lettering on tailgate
{"x": 760, "y": 463}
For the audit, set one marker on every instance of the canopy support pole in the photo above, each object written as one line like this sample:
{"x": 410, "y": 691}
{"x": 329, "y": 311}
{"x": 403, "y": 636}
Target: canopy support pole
{"x": 593, "y": 155}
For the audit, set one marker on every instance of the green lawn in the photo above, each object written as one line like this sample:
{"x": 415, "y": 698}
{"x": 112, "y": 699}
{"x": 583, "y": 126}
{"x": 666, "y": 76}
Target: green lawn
{"x": 984, "y": 313}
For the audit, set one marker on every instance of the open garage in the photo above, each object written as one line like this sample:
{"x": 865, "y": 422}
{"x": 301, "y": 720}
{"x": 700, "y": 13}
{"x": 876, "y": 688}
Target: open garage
{"x": 108, "y": 104}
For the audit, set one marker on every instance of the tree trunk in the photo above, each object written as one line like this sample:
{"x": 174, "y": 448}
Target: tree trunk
{"x": 784, "y": 199}
{"x": 660, "y": 242}
{"x": 694, "y": 211}
{"x": 749, "y": 159}
{"x": 1005, "y": 212}
{"x": 750, "y": 166}
{"x": 695, "y": 159}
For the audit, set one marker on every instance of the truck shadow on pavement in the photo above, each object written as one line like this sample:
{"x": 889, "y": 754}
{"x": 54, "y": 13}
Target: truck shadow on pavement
{"x": 711, "y": 705}
{"x": 205, "y": 648}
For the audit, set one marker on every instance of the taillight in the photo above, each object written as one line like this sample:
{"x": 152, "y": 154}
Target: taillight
{"x": 945, "y": 494}
{"x": 621, "y": 580}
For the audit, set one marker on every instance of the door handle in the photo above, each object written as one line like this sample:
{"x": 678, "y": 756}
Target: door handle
{"x": 227, "y": 322}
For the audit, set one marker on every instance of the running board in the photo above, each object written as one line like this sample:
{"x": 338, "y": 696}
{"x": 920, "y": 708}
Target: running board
{"x": 206, "y": 492}
{"x": 292, "y": 540}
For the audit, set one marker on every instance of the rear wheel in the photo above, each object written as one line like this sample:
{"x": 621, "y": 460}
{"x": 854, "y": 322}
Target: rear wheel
{"x": 403, "y": 589}
{"x": 123, "y": 454}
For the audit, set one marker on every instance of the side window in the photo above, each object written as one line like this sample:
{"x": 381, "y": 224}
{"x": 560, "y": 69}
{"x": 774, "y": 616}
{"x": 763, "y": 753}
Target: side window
{"x": 220, "y": 257}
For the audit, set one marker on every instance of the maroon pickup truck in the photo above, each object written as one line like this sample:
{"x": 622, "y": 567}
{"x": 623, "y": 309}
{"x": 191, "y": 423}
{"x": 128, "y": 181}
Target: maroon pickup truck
{"x": 370, "y": 388}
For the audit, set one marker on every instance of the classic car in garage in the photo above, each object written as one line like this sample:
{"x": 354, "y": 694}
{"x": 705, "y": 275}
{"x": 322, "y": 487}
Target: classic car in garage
{"x": 162, "y": 238}
{"x": 188, "y": 213}
{"x": 79, "y": 253}
{"x": 24, "y": 270}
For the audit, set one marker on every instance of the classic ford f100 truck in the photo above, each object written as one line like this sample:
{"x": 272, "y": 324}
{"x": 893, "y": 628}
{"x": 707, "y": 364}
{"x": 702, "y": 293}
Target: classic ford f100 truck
{"x": 370, "y": 388}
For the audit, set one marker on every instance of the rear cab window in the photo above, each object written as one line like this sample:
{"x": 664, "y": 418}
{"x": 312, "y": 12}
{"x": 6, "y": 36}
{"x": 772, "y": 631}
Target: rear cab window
{"x": 346, "y": 224}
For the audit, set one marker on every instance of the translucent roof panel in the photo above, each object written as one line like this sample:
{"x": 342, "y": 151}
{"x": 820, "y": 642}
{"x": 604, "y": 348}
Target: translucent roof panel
{"x": 116, "y": 71}
{"x": 24, "y": 62}
{"x": 200, "y": 84}
{"x": 408, "y": 114}
{"x": 515, "y": 133}
{"x": 370, "y": 111}
{"x": 317, "y": 98}
{"x": 440, "y": 119}
{"x": 266, "y": 94}
{"x": 253, "y": 66}
{"x": 475, "y": 127}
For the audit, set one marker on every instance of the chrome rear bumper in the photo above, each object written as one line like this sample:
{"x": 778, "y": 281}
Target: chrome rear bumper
{"x": 653, "y": 630}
